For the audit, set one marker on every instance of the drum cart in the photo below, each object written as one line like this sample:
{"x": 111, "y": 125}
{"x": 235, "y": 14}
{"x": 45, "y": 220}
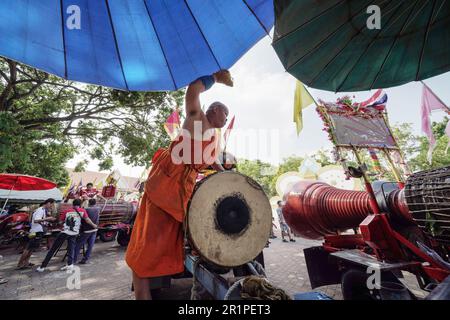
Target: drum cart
{"x": 227, "y": 226}
{"x": 218, "y": 285}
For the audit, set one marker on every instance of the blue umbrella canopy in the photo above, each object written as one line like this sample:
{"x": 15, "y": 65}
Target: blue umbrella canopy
{"x": 139, "y": 45}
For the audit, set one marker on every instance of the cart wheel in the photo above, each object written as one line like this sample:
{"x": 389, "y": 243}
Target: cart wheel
{"x": 354, "y": 285}
{"x": 156, "y": 293}
{"x": 123, "y": 238}
{"x": 108, "y": 236}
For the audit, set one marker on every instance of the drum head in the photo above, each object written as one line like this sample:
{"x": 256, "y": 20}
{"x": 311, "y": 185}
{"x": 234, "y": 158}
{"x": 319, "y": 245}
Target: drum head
{"x": 229, "y": 219}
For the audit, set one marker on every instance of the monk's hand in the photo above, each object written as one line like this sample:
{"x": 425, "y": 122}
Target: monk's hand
{"x": 223, "y": 76}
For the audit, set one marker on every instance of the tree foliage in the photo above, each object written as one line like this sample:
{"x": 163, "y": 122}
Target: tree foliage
{"x": 261, "y": 172}
{"x": 415, "y": 148}
{"x": 45, "y": 121}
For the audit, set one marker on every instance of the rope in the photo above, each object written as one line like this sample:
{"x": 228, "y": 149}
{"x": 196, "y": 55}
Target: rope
{"x": 259, "y": 288}
{"x": 233, "y": 287}
{"x": 197, "y": 289}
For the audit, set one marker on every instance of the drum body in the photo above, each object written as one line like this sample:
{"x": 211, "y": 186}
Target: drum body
{"x": 427, "y": 194}
{"x": 229, "y": 219}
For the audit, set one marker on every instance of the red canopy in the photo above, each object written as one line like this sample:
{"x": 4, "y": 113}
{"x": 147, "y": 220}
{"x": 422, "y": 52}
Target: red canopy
{"x": 24, "y": 183}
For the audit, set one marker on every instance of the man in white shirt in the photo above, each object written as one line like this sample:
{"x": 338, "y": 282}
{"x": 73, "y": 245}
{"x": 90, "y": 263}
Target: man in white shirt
{"x": 36, "y": 232}
{"x": 72, "y": 221}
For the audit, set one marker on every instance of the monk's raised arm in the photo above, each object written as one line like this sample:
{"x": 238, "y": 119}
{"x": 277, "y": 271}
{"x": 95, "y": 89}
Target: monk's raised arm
{"x": 192, "y": 99}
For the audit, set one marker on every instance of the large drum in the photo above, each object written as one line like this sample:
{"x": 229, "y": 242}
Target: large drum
{"x": 427, "y": 194}
{"x": 229, "y": 219}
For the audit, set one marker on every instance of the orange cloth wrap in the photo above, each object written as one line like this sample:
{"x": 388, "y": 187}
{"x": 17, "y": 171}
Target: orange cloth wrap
{"x": 156, "y": 244}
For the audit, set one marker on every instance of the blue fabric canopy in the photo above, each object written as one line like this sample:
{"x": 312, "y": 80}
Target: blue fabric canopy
{"x": 137, "y": 45}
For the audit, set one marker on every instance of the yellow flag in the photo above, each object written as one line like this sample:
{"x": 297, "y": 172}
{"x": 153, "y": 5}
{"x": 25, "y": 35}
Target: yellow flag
{"x": 66, "y": 188}
{"x": 302, "y": 99}
{"x": 99, "y": 185}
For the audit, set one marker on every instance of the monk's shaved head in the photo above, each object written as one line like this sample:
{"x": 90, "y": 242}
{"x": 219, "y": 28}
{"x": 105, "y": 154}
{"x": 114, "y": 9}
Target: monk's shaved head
{"x": 217, "y": 114}
{"x": 217, "y": 105}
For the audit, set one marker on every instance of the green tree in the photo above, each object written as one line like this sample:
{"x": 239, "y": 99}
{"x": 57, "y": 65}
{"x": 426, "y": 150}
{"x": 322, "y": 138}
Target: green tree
{"x": 291, "y": 163}
{"x": 45, "y": 121}
{"x": 415, "y": 148}
{"x": 261, "y": 172}
{"x": 324, "y": 157}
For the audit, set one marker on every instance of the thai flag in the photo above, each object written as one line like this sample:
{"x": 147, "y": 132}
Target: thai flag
{"x": 377, "y": 101}
{"x": 172, "y": 125}
{"x": 80, "y": 185}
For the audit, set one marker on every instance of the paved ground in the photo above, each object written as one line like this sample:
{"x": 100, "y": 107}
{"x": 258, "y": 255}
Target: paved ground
{"x": 108, "y": 277}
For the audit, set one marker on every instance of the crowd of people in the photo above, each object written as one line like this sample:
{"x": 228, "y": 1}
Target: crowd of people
{"x": 79, "y": 230}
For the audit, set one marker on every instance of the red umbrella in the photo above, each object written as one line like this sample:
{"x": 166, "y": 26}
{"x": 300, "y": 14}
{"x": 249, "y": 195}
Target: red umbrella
{"x": 29, "y": 188}
{"x": 24, "y": 183}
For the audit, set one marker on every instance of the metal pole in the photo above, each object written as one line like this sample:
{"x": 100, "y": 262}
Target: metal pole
{"x": 369, "y": 189}
{"x": 395, "y": 171}
{"x": 10, "y": 190}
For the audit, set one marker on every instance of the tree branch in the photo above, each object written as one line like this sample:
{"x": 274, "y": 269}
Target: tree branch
{"x": 10, "y": 86}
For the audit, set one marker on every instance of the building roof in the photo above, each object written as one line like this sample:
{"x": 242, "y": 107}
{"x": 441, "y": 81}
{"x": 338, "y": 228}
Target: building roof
{"x": 124, "y": 182}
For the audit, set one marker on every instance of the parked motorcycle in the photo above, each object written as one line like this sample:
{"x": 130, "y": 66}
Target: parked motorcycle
{"x": 14, "y": 228}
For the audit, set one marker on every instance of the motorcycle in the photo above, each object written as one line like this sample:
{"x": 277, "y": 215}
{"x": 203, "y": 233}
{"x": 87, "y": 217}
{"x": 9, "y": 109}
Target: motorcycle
{"x": 14, "y": 228}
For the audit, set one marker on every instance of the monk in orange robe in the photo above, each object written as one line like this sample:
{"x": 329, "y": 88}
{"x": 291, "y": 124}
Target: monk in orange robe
{"x": 156, "y": 247}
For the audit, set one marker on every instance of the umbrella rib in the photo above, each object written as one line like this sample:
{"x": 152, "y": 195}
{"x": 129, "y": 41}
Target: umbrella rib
{"x": 203, "y": 35}
{"x": 359, "y": 58}
{"x": 342, "y": 49}
{"x": 439, "y": 10}
{"x": 257, "y": 18}
{"x": 325, "y": 40}
{"x": 63, "y": 38}
{"x": 160, "y": 45}
{"x": 365, "y": 50}
{"x": 307, "y": 22}
{"x": 425, "y": 38}
{"x": 117, "y": 46}
{"x": 393, "y": 44}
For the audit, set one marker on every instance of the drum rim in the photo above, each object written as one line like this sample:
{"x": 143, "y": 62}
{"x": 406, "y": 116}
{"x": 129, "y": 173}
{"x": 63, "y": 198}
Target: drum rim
{"x": 253, "y": 182}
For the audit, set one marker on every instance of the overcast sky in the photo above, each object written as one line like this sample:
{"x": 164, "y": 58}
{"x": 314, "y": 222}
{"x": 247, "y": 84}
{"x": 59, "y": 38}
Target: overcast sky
{"x": 262, "y": 101}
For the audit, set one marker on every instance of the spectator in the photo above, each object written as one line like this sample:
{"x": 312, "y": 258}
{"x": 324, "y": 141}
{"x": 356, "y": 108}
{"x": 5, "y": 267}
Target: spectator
{"x": 72, "y": 221}
{"x": 89, "y": 193}
{"x": 283, "y": 225}
{"x": 38, "y": 218}
{"x": 88, "y": 234}
{"x": 272, "y": 232}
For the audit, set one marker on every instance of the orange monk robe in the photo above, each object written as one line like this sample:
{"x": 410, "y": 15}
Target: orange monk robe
{"x": 156, "y": 246}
